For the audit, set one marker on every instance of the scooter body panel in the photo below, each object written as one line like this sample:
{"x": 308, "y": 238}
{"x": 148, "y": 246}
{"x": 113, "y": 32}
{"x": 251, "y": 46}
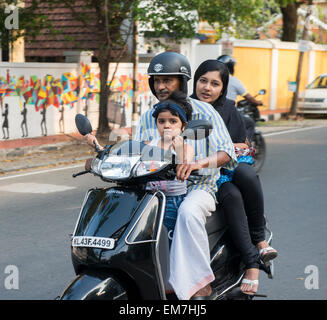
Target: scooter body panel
{"x": 107, "y": 210}
{"x": 133, "y": 218}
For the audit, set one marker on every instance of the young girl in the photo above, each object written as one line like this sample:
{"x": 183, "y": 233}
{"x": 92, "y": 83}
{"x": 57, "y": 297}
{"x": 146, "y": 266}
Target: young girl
{"x": 171, "y": 118}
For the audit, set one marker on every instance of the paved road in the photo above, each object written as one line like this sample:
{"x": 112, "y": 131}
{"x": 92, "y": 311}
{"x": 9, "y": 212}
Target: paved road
{"x": 36, "y": 221}
{"x": 294, "y": 181}
{"x": 35, "y": 224}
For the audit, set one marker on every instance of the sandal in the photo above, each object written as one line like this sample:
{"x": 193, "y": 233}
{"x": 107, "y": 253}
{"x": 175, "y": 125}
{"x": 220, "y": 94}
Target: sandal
{"x": 267, "y": 254}
{"x": 252, "y": 283}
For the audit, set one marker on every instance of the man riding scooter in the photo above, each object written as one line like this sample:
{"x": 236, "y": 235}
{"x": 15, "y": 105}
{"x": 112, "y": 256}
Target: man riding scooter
{"x": 190, "y": 271}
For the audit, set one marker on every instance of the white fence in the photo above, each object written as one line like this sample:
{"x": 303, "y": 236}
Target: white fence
{"x": 43, "y": 98}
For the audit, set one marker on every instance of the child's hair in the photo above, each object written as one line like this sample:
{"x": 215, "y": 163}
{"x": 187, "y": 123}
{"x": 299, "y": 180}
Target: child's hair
{"x": 177, "y": 104}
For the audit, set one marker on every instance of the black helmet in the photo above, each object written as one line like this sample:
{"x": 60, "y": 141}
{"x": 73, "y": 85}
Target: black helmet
{"x": 170, "y": 63}
{"x": 228, "y": 61}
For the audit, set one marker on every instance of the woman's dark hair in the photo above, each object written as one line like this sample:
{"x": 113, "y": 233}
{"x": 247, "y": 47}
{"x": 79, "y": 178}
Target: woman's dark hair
{"x": 208, "y": 66}
{"x": 178, "y": 98}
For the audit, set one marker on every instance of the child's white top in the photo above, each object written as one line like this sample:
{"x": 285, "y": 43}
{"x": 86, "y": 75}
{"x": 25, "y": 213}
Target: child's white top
{"x": 168, "y": 187}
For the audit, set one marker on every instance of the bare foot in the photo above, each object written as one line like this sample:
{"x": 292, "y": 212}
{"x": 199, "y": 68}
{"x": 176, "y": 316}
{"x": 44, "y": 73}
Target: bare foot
{"x": 250, "y": 274}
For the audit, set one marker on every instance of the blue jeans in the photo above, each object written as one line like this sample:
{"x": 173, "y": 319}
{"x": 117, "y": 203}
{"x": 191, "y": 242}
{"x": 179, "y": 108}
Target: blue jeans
{"x": 170, "y": 217}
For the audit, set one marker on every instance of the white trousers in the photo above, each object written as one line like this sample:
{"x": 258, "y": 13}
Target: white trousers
{"x": 189, "y": 253}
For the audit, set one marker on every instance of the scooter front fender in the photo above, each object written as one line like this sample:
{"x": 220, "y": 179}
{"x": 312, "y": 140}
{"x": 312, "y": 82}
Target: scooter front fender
{"x": 94, "y": 287}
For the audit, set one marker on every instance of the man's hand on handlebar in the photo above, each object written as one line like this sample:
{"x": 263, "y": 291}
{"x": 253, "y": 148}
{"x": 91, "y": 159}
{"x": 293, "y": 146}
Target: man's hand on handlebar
{"x": 184, "y": 170}
{"x": 93, "y": 142}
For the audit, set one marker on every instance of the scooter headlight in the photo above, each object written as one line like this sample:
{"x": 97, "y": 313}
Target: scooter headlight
{"x": 148, "y": 166}
{"x": 117, "y": 167}
{"x": 95, "y": 165}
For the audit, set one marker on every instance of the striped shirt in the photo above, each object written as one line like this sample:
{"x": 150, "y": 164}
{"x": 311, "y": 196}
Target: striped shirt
{"x": 218, "y": 140}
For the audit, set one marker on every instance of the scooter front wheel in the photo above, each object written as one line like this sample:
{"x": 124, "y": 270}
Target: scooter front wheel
{"x": 94, "y": 287}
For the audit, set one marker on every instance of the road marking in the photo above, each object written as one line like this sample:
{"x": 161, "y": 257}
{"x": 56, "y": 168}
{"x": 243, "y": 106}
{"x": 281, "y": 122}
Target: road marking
{"x": 40, "y": 172}
{"x": 290, "y": 131}
{"x": 34, "y": 188}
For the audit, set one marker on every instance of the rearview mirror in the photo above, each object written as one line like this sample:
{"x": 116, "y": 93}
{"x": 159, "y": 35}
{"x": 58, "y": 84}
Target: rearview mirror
{"x": 83, "y": 124}
{"x": 262, "y": 92}
{"x": 197, "y": 129}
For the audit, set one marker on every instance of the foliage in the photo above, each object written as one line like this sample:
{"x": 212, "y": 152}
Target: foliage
{"x": 284, "y": 3}
{"x": 28, "y": 18}
{"x": 236, "y": 18}
{"x": 168, "y": 18}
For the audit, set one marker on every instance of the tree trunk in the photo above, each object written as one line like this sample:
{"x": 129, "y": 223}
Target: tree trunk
{"x": 104, "y": 96}
{"x": 289, "y": 21}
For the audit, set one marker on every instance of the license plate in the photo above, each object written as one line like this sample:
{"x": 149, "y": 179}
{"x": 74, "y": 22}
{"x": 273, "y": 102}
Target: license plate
{"x": 93, "y": 242}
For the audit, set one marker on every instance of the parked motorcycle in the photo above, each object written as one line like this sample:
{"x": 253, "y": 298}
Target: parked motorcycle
{"x": 120, "y": 246}
{"x": 248, "y": 109}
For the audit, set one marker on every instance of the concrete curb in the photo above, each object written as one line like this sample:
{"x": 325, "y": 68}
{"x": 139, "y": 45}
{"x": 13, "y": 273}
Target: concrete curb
{"x": 21, "y": 151}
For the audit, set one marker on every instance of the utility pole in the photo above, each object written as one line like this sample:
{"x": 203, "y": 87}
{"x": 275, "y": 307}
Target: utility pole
{"x": 292, "y": 113}
{"x": 135, "y": 115}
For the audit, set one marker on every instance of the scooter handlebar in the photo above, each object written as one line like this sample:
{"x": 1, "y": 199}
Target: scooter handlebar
{"x": 80, "y": 173}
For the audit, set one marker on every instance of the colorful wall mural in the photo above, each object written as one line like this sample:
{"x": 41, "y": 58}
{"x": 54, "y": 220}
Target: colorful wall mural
{"x": 48, "y": 90}
{"x": 52, "y": 96}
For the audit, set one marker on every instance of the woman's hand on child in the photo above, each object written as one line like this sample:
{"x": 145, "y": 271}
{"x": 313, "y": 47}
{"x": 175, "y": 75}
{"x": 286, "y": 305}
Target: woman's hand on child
{"x": 241, "y": 145}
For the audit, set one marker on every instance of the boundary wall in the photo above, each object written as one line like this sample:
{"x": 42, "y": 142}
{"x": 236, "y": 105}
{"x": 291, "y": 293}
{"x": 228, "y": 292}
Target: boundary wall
{"x": 270, "y": 65}
{"x": 43, "y": 98}
{"x": 38, "y": 99}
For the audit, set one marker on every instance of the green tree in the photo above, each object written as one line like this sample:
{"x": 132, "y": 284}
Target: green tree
{"x": 290, "y": 18}
{"x": 111, "y": 23}
{"x": 236, "y": 18}
{"x": 108, "y": 21}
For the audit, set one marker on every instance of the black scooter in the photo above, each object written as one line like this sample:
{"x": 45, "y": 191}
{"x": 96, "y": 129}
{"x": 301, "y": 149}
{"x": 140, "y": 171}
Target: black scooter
{"x": 120, "y": 247}
{"x": 248, "y": 109}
